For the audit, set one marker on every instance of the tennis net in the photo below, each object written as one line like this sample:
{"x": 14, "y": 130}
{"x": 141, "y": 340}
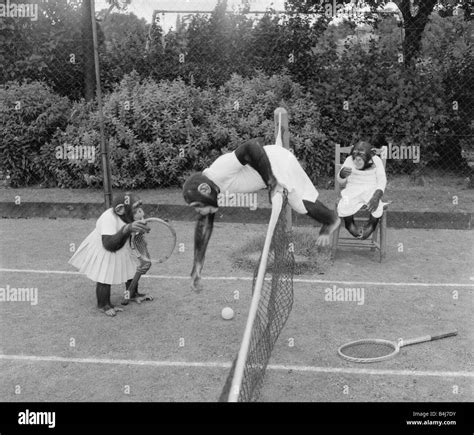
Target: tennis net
{"x": 272, "y": 300}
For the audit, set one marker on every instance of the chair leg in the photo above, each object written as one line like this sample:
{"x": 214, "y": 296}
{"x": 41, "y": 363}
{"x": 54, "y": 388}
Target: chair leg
{"x": 375, "y": 237}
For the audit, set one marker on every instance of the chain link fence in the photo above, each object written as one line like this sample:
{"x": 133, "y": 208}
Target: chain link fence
{"x": 176, "y": 97}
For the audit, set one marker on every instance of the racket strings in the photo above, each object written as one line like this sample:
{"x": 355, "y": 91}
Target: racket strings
{"x": 141, "y": 245}
{"x": 158, "y": 244}
{"x": 368, "y": 350}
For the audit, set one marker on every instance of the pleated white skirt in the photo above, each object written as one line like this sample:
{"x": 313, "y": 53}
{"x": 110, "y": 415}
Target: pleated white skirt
{"x": 100, "y": 265}
{"x": 291, "y": 176}
{"x": 353, "y": 198}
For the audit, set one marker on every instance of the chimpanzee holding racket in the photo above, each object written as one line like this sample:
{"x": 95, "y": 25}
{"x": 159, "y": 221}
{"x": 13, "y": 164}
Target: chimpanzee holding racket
{"x": 105, "y": 256}
{"x": 252, "y": 167}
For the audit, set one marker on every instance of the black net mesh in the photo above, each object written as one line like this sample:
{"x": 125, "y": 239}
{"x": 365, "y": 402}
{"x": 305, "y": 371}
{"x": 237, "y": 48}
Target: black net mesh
{"x": 276, "y": 301}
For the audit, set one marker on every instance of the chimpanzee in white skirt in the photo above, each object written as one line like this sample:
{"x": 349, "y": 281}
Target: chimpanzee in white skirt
{"x": 105, "y": 256}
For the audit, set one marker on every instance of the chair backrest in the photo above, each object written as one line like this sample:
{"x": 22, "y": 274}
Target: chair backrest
{"x": 338, "y": 165}
{"x": 382, "y": 153}
{"x": 338, "y": 162}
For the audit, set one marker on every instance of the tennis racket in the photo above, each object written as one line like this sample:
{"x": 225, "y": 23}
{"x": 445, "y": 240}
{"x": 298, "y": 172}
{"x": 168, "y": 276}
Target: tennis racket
{"x": 156, "y": 246}
{"x": 374, "y": 349}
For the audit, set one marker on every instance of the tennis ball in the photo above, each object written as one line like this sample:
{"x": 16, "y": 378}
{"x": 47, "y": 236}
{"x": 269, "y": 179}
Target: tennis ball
{"x": 227, "y": 313}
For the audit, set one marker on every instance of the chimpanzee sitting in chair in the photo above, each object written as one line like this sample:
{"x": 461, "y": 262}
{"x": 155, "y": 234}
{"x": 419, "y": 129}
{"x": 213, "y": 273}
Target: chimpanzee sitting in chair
{"x": 364, "y": 178}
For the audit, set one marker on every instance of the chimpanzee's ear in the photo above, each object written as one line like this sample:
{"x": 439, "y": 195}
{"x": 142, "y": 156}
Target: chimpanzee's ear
{"x": 373, "y": 151}
{"x": 120, "y": 209}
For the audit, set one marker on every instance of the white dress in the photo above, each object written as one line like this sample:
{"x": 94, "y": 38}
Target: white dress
{"x": 233, "y": 177}
{"x": 360, "y": 187}
{"x": 100, "y": 265}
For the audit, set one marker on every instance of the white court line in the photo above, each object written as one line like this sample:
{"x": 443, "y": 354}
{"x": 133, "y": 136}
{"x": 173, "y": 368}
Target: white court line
{"x": 247, "y": 278}
{"x": 227, "y": 365}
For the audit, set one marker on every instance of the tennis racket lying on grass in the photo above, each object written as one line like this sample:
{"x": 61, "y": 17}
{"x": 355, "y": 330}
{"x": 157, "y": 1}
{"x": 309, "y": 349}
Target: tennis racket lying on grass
{"x": 374, "y": 349}
{"x": 156, "y": 246}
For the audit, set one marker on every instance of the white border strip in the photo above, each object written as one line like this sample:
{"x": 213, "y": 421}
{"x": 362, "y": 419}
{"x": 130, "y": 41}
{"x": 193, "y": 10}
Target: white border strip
{"x": 226, "y": 365}
{"x": 247, "y": 278}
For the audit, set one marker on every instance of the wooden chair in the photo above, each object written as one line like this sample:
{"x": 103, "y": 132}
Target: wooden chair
{"x": 378, "y": 240}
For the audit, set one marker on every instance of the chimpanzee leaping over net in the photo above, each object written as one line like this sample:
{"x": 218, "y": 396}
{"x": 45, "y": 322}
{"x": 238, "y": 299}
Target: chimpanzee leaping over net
{"x": 248, "y": 169}
{"x": 364, "y": 178}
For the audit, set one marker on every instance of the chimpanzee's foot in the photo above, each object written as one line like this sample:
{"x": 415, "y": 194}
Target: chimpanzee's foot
{"x": 354, "y": 230}
{"x": 117, "y": 309}
{"x": 110, "y": 310}
{"x": 368, "y": 230}
{"x": 141, "y": 297}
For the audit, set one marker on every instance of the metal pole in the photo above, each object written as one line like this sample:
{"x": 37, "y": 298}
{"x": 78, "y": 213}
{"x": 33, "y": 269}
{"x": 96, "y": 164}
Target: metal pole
{"x": 103, "y": 143}
{"x": 236, "y": 387}
{"x": 281, "y": 121}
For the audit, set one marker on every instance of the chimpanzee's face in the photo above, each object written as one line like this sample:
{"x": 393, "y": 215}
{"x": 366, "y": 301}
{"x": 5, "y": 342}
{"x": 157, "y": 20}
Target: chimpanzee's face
{"x": 362, "y": 155}
{"x": 138, "y": 213}
{"x": 128, "y": 207}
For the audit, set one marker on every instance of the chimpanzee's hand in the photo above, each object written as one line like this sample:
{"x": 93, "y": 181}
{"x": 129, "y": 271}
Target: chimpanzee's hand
{"x": 138, "y": 227}
{"x": 373, "y": 204}
{"x": 345, "y": 172}
{"x": 271, "y": 186}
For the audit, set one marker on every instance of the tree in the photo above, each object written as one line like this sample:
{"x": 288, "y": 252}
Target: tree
{"x": 216, "y": 46}
{"x": 124, "y": 47}
{"x": 415, "y": 14}
{"x": 415, "y": 19}
{"x": 48, "y": 49}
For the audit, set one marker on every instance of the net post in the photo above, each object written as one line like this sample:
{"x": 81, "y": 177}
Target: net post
{"x": 103, "y": 143}
{"x": 282, "y": 138}
{"x": 243, "y": 352}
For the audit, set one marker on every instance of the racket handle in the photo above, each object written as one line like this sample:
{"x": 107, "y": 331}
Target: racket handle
{"x": 416, "y": 340}
{"x": 426, "y": 338}
{"x": 446, "y": 335}
{"x": 132, "y": 288}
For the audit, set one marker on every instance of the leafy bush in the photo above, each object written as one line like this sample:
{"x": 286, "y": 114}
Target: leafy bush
{"x": 64, "y": 165}
{"x": 366, "y": 93}
{"x": 29, "y": 116}
{"x": 160, "y": 132}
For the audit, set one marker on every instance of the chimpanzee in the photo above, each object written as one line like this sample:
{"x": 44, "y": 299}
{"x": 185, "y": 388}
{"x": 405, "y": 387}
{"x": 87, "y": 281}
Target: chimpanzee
{"x": 364, "y": 178}
{"x": 252, "y": 167}
{"x": 106, "y": 257}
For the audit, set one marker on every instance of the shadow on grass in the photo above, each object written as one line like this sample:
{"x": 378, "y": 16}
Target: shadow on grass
{"x": 309, "y": 258}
